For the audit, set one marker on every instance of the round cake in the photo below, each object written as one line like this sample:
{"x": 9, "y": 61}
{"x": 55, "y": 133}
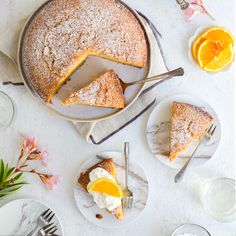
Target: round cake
{"x": 63, "y": 33}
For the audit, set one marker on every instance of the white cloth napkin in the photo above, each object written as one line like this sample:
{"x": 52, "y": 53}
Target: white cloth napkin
{"x": 14, "y": 13}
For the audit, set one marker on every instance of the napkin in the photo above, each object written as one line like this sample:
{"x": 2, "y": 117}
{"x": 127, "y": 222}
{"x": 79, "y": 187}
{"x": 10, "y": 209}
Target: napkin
{"x": 93, "y": 132}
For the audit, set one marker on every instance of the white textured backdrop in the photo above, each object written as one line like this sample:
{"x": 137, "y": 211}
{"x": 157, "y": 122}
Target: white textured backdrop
{"x": 169, "y": 204}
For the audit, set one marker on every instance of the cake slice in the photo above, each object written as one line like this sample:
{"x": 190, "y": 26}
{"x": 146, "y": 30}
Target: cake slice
{"x": 189, "y": 123}
{"x": 104, "y": 91}
{"x": 109, "y": 168}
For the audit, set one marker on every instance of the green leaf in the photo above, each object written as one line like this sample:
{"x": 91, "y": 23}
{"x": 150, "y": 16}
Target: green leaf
{"x": 12, "y": 187}
{"x": 9, "y": 180}
{"x": 17, "y": 177}
{"x": 10, "y": 172}
{"x": 1, "y": 169}
{"x": 5, "y": 173}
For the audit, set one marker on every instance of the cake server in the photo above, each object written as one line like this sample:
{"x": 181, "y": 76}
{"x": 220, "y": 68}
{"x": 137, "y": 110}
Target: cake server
{"x": 177, "y": 72}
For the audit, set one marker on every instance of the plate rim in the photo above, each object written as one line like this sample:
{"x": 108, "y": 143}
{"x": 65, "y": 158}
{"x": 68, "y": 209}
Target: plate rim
{"x": 193, "y": 96}
{"x": 116, "y": 226}
{"x": 40, "y": 101}
{"x": 37, "y": 201}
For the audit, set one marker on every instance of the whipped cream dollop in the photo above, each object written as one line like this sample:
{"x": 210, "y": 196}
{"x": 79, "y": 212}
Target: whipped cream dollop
{"x": 103, "y": 200}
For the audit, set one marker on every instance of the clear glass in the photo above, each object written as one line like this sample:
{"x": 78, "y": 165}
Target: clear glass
{"x": 7, "y": 110}
{"x": 190, "y": 229}
{"x": 218, "y": 198}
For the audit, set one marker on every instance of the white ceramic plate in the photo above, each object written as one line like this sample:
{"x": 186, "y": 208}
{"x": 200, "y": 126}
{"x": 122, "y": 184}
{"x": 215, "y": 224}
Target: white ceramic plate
{"x": 158, "y": 133}
{"x": 138, "y": 185}
{"x": 91, "y": 68}
{"x": 19, "y": 217}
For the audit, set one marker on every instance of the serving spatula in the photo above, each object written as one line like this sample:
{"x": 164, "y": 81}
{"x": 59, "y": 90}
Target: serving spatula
{"x": 177, "y": 72}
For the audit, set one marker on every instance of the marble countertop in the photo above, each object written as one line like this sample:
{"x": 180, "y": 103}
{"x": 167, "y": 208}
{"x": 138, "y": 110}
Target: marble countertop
{"x": 169, "y": 204}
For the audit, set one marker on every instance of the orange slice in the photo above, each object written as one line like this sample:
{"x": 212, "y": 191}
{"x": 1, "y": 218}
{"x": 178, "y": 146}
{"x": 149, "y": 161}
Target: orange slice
{"x": 221, "y": 61}
{"x": 207, "y": 51}
{"x": 106, "y": 186}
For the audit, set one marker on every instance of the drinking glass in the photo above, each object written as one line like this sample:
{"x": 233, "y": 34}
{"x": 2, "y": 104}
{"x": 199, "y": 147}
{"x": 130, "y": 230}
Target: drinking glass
{"x": 7, "y": 110}
{"x": 218, "y": 198}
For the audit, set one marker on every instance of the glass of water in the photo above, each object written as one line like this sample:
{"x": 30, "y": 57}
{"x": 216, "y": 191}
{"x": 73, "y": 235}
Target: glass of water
{"x": 218, "y": 197}
{"x": 7, "y": 110}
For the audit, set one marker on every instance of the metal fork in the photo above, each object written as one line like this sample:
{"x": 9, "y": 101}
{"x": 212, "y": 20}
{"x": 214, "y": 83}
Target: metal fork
{"x": 44, "y": 219}
{"x": 128, "y": 195}
{"x": 208, "y": 135}
{"x": 49, "y": 229}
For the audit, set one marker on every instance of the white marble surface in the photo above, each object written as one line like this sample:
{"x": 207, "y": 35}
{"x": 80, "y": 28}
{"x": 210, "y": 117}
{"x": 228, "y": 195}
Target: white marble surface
{"x": 20, "y": 216}
{"x": 169, "y": 204}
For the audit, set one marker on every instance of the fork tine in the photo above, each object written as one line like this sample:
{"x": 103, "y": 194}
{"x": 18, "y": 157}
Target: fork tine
{"x": 48, "y": 216}
{"x": 213, "y": 131}
{"x": 47, "y": 226}
{"x": 51, "y": 217}
{"x": 209, "y": 129}
{"x": 49, "y": 230}
{"x": 53, "y": 231}
{"x": 45, "y": 212}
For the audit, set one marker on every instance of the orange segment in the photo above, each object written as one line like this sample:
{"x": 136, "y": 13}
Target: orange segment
{"x": 106, "y": 186}
{"x": 221, "y": 61}
{"x": 207, "y": 51}
{"x": 196, "y": 44}
{"x": 220, "y": 35}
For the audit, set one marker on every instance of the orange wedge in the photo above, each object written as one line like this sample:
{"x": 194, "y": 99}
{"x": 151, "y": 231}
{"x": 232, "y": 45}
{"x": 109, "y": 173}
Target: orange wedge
{"x": 212, "y": 57}
{"x": 106, "y": 186}
{"x": 221, "y": 61}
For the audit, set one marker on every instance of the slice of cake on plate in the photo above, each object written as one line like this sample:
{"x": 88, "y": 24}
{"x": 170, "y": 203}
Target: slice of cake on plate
{"x": 189, "y": 123}
{"x": 104, "y": 91}
{"x": 100, "y": 181}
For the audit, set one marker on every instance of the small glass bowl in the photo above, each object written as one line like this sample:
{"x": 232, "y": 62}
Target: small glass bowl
{"x": 190, "y": 229}
{"x": 7, "y": 110}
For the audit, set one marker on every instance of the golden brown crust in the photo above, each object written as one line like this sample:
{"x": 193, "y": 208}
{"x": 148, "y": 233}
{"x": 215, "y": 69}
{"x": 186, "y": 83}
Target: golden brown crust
{"x": 189, "y": 123}
{"x": 104, "y": 91}
{"x": 109, "y": 166}
{"x": 64, "y": 32}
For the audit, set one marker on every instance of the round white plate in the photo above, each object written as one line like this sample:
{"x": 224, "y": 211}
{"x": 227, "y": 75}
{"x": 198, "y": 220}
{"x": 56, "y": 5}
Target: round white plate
{"x": 19, "y": 217}
{"x": 138, "y": 184}
{"x": 158, "y": 133}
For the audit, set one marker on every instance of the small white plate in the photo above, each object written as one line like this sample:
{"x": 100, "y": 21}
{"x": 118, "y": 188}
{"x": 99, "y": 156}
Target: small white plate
{"x": 138, "y": 184}
{"x": 19, "y": 217}
{"x": 158, "y": 133}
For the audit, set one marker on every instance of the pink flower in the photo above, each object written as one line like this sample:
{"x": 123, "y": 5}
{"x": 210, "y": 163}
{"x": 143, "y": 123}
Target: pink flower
{"x": 190, "y": 12}
{"x": 29, "y": 145}
{"x": 50, "y": 181}
{"x": 38, "y": 156}
{"x": 195, "y": 7}
{"x": 43, "y": 155}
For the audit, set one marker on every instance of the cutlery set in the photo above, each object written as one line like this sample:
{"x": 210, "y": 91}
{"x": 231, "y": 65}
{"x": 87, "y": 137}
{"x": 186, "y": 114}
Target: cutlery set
{"x": 44, "y": 226}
